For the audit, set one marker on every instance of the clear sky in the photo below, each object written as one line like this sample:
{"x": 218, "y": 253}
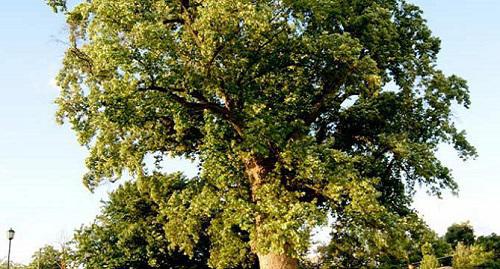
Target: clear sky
{"x": 41, "y": 195}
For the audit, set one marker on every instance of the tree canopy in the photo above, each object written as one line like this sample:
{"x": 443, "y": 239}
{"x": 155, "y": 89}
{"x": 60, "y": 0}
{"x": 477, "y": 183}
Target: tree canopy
{"x": 296, "y": 111}
{"x": 460, "y": 233}
{"x": 469, "y": 257}
{"x": 49, "y": 257}
{"x": 129, "y": 234}
{"x": 491, "y": 243}
{"x": 401, "y": 243}
{"x": 429, "y": 260}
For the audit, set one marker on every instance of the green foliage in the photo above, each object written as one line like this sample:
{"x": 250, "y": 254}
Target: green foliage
{"x": 49, "y": 257}
{"x": 3, "y": 265}
{"x": 285, "y": 104}
{"x": 460, "y": 232}
{"x": 129, "y": 234}
{"x": 469, "y": 257}
{"x": 429, "y": 260}
{"x": 57, "y": 5}
{"x": 491, "y": 243}
{"x": 395, "y": 243}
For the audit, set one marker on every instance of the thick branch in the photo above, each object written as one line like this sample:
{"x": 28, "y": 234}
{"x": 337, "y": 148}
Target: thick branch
{"x": 320, "y": 102}
{"x": 184, "y": 102}
{"x": 203, "y": 104}
{"x": 173, "y": 20}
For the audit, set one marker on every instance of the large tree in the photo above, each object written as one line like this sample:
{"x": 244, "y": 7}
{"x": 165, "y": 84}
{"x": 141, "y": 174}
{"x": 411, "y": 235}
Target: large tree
{"x": 295, "y": 111}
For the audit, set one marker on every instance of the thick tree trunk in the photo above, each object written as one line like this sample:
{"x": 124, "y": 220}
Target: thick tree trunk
{"x": 274, "y": 261}
{"x": 257, "y": 172}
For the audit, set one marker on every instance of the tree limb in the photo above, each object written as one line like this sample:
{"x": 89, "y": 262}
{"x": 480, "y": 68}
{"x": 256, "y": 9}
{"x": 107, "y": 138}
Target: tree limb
{"x": 203, "y": 104}
{"x": 173, "y": 20}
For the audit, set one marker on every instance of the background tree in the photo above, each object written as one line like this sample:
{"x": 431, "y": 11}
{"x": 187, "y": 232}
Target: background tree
{"x": 460, "y": 232}
{"x": 3, "y": 265}
{"x": 49, "y": 257}
{"x": 296, "y": 111}
{"x": 469, "y": 257}
{"x": 129, "y": 234}
{"x": 491, "y": 243}
{"x": 403, "y": 245}
{"x": 429, "y": 260}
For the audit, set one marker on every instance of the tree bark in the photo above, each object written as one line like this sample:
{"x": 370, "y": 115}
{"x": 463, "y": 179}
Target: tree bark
{"x": 256, "y": 172}
{"x": 275, "y": 261}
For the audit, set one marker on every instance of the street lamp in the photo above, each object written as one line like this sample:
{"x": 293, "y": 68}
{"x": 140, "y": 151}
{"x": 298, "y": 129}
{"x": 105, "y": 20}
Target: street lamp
{"x": 10, "y": 235}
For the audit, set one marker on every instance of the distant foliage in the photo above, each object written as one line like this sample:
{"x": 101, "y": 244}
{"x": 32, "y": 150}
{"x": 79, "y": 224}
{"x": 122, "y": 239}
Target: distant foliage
{"x": 491, "y": 243}
{"x": 13, "y": 265}
{"x": 429, "y": 260}
{"x": 50, "y": 257}
{"x": 460, "y": 233}
{"x": 470, "y": 257}
{"x": 401, "y": 245}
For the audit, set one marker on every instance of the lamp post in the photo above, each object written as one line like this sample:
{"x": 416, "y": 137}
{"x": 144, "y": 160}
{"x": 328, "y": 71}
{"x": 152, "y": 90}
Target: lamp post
{"x": 10, "y": 235}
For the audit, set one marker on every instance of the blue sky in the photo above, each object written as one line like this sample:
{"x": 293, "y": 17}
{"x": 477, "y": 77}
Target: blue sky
{"x": 469, "y": 30}
{"x": 41, "y": 195}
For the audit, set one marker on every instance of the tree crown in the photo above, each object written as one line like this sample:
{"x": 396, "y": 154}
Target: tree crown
{"x": 295, "y": 110}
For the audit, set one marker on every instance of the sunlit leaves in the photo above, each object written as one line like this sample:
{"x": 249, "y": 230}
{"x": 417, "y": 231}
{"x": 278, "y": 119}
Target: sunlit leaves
{"x": 297, "y": 111}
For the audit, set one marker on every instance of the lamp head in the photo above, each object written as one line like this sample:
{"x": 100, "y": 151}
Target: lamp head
{"x": 11, "y": 233}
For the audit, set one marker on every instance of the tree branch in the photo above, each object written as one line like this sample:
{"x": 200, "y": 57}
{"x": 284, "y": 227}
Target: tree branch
{"x": 187, "y": 21}
{"x": 74, "y": 50}
{"x": 203, "y": 104}
{"x": 174, "y": 20}
{"x": 209, "y": 64}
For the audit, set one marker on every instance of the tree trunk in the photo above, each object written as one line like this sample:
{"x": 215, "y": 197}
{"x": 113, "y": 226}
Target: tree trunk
{"x": 274, "y": 261}
{"x": 257, "y": 171}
